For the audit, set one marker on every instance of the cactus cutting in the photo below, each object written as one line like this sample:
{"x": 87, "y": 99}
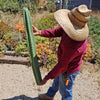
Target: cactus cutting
{"x": 31, "y": 45}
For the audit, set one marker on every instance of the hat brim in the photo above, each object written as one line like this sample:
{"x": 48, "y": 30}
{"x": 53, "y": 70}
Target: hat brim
{"x": 74, "y": 32}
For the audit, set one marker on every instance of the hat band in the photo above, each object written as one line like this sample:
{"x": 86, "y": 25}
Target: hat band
{"x": 79, "y": 16}
{"x": 86, "y": 13}
{"x": 76, "y": 21}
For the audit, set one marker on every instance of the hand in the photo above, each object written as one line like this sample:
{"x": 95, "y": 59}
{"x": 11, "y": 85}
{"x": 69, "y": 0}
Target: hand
{"x": 36, "y": 31}
{"x": 43, "y": 82}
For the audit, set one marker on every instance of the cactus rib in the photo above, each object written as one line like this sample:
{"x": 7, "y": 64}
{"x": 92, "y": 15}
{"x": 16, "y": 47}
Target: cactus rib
{"x": 31, "y": 45}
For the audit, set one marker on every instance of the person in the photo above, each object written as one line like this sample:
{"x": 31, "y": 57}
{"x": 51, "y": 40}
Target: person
{"x": 73, "y": 31}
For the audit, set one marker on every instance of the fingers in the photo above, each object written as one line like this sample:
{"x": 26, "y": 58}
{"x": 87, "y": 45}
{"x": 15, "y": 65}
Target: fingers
{"x": 43, "y": 82}
{"x": 36, "y": 31}
{"x": 34, "y": 28}
{"x": 36, "y": 34}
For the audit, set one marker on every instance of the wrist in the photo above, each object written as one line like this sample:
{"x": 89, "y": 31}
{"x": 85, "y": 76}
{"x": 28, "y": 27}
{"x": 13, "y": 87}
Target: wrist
{"x": 46, "y": 78}
{"x": 40, "y": 33}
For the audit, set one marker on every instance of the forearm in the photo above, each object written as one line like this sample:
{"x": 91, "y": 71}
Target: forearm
{"x": 63, "y": 64}
{"x": 52, "y": 33}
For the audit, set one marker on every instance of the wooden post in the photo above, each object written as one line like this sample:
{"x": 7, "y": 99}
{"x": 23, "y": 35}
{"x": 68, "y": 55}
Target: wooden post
{"x": 90, "y": 4}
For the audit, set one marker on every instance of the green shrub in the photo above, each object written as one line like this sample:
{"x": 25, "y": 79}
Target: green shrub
{"x": 99, "y": 66}
{"x": 4, "y": 28}
{"x": 47, "y": 22}
{"x": 30, "y": 4}
{"x": 1, "y": 45}
{"x": 94, "y": 27}
{"x": 9, "y": 5}
{"x": 17, "y": 5}
{"x": 51, "y": 7}
{"x": 21, "y": 47}
{"x": 52, "y": 61}
{"x": 9, "y": 41}
{"x": 7, "y": 36}
{"x": 39, "y": 39}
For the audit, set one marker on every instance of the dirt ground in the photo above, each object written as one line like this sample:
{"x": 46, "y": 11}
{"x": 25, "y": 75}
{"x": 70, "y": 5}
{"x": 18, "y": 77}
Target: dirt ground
{"x": 17, "y": 83}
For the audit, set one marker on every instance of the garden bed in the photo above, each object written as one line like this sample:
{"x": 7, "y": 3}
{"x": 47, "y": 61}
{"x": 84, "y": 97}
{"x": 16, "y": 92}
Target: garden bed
{"x": 14, "y": 60}
{"x": 10, "y": 57}
{"x": 14, "y": 39}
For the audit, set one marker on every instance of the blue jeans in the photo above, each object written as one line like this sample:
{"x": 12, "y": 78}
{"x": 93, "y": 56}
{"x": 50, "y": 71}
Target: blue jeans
{"x": 60, "y": 84}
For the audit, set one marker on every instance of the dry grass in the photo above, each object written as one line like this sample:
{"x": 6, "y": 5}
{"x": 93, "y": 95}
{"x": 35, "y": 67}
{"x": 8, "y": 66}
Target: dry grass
{"x": 36, "y": 17}
{"x": 13, "y": 19}
{"x": 96, "y": 13}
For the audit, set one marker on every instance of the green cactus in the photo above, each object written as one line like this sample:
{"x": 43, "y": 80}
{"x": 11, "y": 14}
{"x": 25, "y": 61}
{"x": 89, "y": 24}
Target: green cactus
{"x": 31, "y": 45}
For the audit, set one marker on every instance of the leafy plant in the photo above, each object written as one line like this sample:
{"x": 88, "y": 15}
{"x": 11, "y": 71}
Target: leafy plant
{"x": 20, "y": 27}
{"x": 9, "y": 41}
{"x": 47, "y": 22}
{"x": 52, "y": 60}
{"x": 30, "y": 4}
{"x": 4, "y": 28}
{"x": 9, "y": 5}
{"x": 1, "y": 47}
{"x": 94, "y": 27}
{"x": 88, "y": 54}
{"x": 21, "y": 47}
{"x": 51, "y": 7}
{"x": 17, "y": 5}
{"x": 39, "y": 39}
{"x": 99, "y": 66}
{"x": 42, "y": 53}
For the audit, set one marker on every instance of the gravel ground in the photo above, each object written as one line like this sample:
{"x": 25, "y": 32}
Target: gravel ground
{"x": 17, "y": 83}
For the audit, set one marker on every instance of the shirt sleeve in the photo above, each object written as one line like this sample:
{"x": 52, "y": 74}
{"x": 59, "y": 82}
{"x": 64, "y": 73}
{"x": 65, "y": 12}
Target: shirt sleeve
{"x": 57, "y": 70}
{"x": 52, "y": 33}
{"x": 61, "y": 66}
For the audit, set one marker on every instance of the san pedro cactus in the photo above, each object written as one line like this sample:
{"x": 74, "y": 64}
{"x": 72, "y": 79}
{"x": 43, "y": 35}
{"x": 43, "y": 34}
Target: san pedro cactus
{"x": 31, "y": 45}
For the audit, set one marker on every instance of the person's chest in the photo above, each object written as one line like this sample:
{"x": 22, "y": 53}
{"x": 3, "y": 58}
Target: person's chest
{"x": 67, "y": 44}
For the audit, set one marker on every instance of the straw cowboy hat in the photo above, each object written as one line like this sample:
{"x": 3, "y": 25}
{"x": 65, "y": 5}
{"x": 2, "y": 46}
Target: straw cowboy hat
{"x": 74, "y": 22}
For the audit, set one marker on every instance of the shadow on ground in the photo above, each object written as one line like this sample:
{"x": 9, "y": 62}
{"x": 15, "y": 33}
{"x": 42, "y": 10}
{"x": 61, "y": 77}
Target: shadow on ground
{"x": 21, "y": 97}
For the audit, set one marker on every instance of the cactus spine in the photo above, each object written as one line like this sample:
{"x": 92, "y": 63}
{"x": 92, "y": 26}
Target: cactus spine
{"x": 31, "y": 45}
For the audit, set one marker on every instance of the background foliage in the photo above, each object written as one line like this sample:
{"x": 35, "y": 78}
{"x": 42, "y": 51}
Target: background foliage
{"x": 17, "y": 5}
{"x": 9, "y": 5}
{"x": 47, "y": 22}
{"x": 94, "y": 38}
{"x": 12, "y": 37}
